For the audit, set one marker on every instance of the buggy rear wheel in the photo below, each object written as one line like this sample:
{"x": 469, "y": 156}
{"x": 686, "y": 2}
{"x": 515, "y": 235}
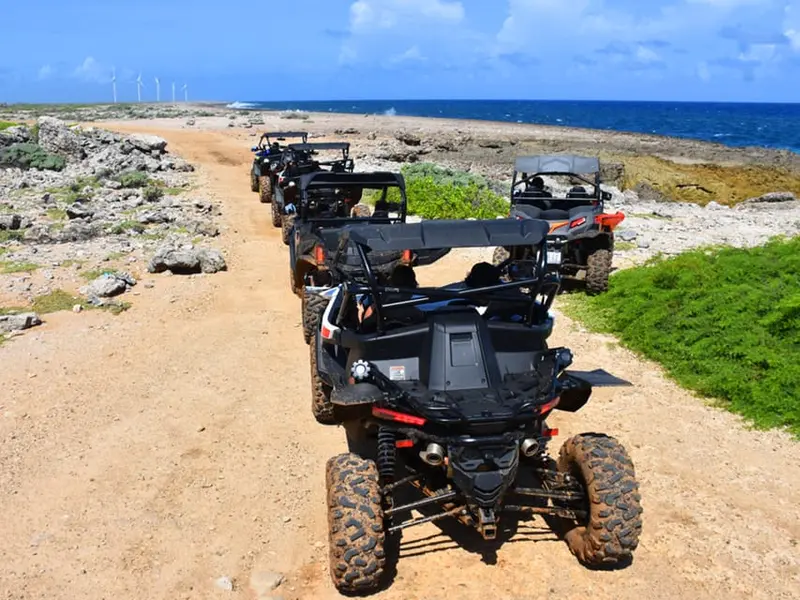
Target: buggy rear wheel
{"x": 321, "y": 406}
{"x": 276, "y": 215}
{"x": 313, "y": 307}
{"x": 264, "y": 189}
{"x": 287, "y": 222}
{"x": 611, "y": 532}
{"x": 254, "y": 185}
{"x": 356, "y": 532}
{"x": 598, "y": 268}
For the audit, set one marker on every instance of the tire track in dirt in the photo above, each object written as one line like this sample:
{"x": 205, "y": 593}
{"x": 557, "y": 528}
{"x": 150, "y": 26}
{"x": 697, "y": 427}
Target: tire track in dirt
{"x": 174, "y": 444}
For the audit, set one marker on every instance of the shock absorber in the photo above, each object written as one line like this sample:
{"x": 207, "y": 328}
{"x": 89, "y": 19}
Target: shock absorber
{"x": 386, "y": 454}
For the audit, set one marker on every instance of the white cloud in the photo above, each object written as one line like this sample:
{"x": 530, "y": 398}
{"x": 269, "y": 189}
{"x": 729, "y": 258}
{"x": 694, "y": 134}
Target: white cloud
{"x": 386, "y": 14}
{"x": 45, "y": 72}
{"x": 92, "y": 71}
{"x": 413, "y": 54}
{"x": 791, "y": 24}
{"x": 703, "y": 71}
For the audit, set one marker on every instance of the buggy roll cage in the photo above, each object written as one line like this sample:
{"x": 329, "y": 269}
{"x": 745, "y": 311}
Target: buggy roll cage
{"x": 530, "y": 167}
{"x": 461, "y": 234}
{"x": 377, "y": 180}
{"x": 282, "y": 135}
{"x": 310, "y": 149}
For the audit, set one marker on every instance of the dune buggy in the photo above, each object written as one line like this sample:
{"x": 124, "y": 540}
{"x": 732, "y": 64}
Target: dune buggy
{"x": 581, "y": 234}
{"x": 447, "y": 395}
{"x": 268, "y": 154}
{"x": 326, "y": 203}
{"x": 299, "y": 160}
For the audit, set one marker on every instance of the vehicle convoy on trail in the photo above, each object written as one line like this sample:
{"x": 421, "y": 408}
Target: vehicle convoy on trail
{"x": 327, "y": 202}
{"x": 298, "y": 160}
{"x": 581, "y": 234}
{"x": 267, "y": 157}
{"x": 444, "y": 394}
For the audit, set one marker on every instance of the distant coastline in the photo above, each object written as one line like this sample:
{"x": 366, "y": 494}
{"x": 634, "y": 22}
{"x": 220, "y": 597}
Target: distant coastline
{"x": 738, "y": 125}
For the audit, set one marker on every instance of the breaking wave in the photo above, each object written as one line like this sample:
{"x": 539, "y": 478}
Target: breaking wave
{"x": 390, "y": 112}
{"x": 241, "y": 105}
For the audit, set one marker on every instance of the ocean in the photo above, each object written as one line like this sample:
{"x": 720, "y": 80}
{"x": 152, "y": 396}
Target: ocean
{"x": 763, "y": 125}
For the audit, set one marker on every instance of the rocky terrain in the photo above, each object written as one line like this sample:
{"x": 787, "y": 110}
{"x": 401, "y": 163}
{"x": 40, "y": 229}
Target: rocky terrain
{"x": 96, "y": 213}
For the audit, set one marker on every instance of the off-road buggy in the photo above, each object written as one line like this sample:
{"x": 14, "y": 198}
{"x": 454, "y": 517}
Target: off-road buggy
{"x": 581, "y": 234}
{"x": 268, "y": 153}
{"x": 302, "y": 159}
{"x": 315, "y": 222}
{"x": 447, "y": 396}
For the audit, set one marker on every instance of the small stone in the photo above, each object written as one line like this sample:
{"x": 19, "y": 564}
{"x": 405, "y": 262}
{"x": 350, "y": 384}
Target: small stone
{"x": 77, "y": 308}
{"x": 201, "y": 429}
{"x": 287, "y": 519}
{"x": 627, "y": 235}
{"x": 224, "y": 583}
{"x": 263, "y": 582}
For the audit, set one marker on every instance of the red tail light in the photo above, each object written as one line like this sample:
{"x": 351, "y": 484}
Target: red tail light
{"x": 610, "y": 221}
{"x": 546, "y": 408}
{"x": 404, "y": 444}
{"x": 390, "y": 415}
{"x": 548, "y": 433}
{"x": 319, "y": 254}
{"x": 406, "y": 258}
{"x": 326, "y": 333}
{"x": 577, "y": 222}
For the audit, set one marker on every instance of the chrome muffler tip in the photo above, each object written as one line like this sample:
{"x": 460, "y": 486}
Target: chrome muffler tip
{"x": 529, "y": 447}
{"x": 433, "y": 455}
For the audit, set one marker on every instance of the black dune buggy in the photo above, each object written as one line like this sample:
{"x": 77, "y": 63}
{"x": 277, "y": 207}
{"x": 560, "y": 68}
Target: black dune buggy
{"x": 267, "y": 157}
{"x": 298, "y": 160}
{"x": 581, "y": 234}
{"x": 326, "y": 203}
{"x": 447, "y": 395}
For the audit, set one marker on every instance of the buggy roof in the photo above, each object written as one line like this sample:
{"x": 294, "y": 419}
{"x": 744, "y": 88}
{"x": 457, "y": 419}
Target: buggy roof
{"x": 557, "y": 163}
{"x": 286, "y": 134}
{"x": 321, "y": 146}
{"x": 328, "y": 179}
{"x": 436, "y": 234}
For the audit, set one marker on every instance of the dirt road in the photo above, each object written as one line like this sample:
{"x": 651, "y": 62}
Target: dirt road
{"x": 143, "y": 456}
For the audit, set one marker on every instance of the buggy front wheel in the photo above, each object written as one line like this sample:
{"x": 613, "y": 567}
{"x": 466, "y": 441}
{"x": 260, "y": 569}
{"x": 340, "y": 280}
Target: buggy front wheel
{"x": 264, "y": 189}
{"x": 356, "y": 531}
{"x": 287, "y": 222}
{"x": 598, "y": 269}
{"x": 610, "y": 533}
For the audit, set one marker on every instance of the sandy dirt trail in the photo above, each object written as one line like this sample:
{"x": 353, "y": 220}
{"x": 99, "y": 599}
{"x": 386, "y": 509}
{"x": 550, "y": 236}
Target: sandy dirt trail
{"x": 145, "y": 455}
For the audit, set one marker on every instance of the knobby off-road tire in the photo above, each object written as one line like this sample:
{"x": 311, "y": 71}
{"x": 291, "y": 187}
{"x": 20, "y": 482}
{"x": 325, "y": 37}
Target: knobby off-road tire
{"x": 264, "y": 189}
{"x": 313, "y": 307}
{"x": 254, "y": 185}
{"x": 276, "y": 215}
{"x": 611, "y": 533}
{"x": 355, "y": 522}
{"x": 287, "y": 222}
{"x": 321, "y": 406}
{"x": 598, "y": 268}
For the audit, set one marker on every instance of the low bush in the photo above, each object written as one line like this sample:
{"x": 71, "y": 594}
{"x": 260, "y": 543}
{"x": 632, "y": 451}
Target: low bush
{"x": 724, "y": 322}
{"x": 152, "y": 193}
{"x": 436, "y": 192}
{"x": 133, "y": 179}
{"x": 7, "y": 124}
{"x": 30, "y": 156}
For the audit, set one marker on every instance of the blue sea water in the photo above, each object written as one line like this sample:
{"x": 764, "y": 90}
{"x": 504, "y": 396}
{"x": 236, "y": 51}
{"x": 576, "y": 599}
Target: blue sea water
{"x": 764, "y": 125}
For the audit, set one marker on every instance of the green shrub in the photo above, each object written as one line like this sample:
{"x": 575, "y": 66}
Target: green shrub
{"x": 152, "y": 193}
{"x": 125, "y": 226}
{"x": 431, "y": 200}
{"x": 133, "y": 179}
{"x": 30, "y": 156}
{"x": 724, "y": 322}
{"x": 7, "y": 124}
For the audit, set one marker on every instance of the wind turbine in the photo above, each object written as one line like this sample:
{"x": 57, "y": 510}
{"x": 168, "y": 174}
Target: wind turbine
{"x": 158, "y": 90}
{"x": 139, "y": 86}
{"x": 114, "y": 83}
{"x": 173, "y": 92}
{"x": 185, "y": 89}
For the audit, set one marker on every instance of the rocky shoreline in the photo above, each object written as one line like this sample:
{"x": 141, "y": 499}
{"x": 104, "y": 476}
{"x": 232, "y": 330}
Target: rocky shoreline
{"x": 98, "y": 211}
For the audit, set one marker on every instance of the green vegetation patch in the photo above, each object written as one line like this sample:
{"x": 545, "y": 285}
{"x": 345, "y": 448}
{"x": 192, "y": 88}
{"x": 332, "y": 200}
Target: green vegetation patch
{"x": 30, "y": 156}
{"x": 7, "y": 124}
{"x": 9, "y": 267}
{"x": 133, "y": 179}
{"x": 724, "y": 322}
{"x": 436, "y": 192}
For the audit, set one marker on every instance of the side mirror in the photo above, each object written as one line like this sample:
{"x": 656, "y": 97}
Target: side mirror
{"x": 606, "y": 195}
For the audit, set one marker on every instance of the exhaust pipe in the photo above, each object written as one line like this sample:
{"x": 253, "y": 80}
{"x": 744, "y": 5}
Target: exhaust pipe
{"x": 433, "y": 455}
{"x": 529, "y": 447}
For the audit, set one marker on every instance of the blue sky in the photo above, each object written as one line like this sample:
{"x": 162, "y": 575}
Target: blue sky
{"x": 727, "y": 50}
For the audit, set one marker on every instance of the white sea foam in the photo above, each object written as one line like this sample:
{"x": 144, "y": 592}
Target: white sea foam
{"x": 240, "y": 105}
{"x": 391, "y": 112}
